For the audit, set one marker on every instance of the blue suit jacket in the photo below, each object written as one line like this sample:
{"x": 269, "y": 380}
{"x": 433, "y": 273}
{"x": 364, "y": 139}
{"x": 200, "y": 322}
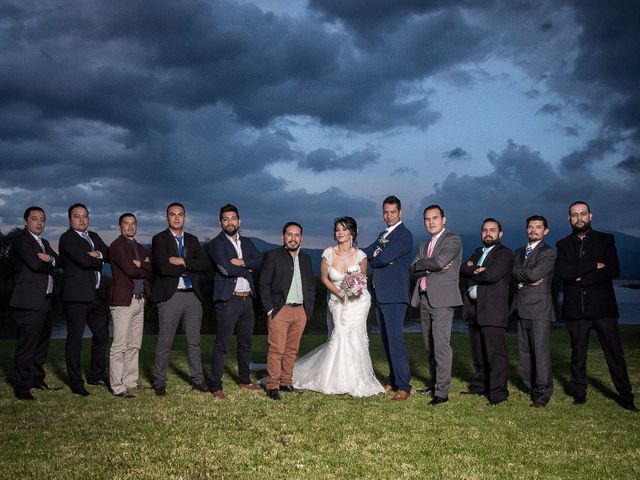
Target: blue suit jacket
{"x": 221, "y": 251}
{"x": 391, "y": 266}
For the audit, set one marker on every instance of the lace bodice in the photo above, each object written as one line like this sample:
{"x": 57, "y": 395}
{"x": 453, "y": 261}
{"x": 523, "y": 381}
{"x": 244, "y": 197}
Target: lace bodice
{"x": 336, "y": 276}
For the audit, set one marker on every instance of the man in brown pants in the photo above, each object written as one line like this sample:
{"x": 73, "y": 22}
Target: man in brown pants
{"x": 287, "y": 291}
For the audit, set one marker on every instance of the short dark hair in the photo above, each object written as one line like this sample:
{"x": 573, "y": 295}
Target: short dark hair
{"x": 580, "y": 202}
{"x": 539, "y": 218}
{"x": 228, "y": 208}
{"x": 350, "y": 225}
{"x": 176, "y": 204}
{"x": 433, "y": 207}
{"x": 291, "y": 224}
{"x": 393, "y": 200}
{"x": 125, "y": 215}
{"x": 491, "y": 219}
{"x": 28, "y": 211}
{"x": 76, "y": 205}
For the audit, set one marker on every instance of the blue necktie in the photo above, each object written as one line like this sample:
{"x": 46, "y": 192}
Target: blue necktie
{"x": 527, "y": 251}
{"x": 87, "y": 238}
{"x": 473, "y": 289}
{"x": 185, "y": 279}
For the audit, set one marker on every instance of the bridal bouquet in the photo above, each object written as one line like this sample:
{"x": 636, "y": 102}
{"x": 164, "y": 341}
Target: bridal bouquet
{"x": 353, "y": 285}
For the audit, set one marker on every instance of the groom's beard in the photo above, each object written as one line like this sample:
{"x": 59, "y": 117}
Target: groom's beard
{"x": 581, "y": 227}
{"x": 489, "y": 241}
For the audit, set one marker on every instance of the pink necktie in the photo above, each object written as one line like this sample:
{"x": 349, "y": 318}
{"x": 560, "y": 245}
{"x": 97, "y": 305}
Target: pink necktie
{"x": 432, "y": 244}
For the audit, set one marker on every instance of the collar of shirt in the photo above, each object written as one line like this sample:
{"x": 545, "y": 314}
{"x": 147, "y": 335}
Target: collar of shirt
{"x": 534, "y": 244}
{"x": 81, "y": 233}
{"x": 233, "y": 239}
{"x": 392, "y": 228}
{"x": 440, "y": 234}
{"x": 487, "y": 249}
{"x": 37, "y": 238}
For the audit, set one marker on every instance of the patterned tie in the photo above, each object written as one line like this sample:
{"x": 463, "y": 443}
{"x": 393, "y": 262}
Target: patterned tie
{"x": 527, "y": 251}
{"x": 49, "y": 277}
{"x": 185, "y": 279}
{"x": 432, "y": 244}
{"x": 87, "y": 238}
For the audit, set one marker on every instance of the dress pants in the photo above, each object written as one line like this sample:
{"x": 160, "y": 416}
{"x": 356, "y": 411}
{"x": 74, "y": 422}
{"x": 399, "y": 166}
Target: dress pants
{"x": 535, "y": 358}
{"x": 490, "y": 360}
{"x": 128, "y": 326}
{"x": 390, "y": 318}
{"x": 183, "y": 306}
{"x": 79, "y": 314}
{"x": 235, "y": 314}
{"x": 609, "y": 336}
{"x": 436, "y": 334}
{"x": 33, "y": 329}
{"x": 285, "y": 332}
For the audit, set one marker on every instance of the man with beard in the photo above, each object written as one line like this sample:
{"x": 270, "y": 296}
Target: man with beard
{"x": 533, "y": 272}
{"x": 234, "y": 259}
{"x": 288, "y": 292}
{"x": 587, "y": 263}
{"x": 486, "y": 308}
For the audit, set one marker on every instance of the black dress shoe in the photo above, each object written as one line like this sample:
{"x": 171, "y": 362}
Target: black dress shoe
{"x": 160, "y": 391}
{"x": 124, "y": 394}
{"x": 287, "y": 388}
{"x": 274, "y": 394}
{"x": 98, "y": 383}
{"x": 44, "y": 386}
{"x": 629, "y": 406}
{"x": 497, "y": 402}
{"x": 201, "y": 387}
{"x": 24, "y": 396}
{"x": 437, "y": 400}
{"x": 425, "y": 391}
{"x": 80, "y": 391}
{"x": 471, "y": 392}
{"x": 579, "y": 400}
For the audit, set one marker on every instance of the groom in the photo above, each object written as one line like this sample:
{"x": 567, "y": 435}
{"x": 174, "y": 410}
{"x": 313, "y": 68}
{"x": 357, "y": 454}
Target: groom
{"x": 390, "y": 257}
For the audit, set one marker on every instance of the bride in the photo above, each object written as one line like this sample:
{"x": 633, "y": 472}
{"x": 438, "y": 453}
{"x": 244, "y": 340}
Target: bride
{"x": 342, "y": 365}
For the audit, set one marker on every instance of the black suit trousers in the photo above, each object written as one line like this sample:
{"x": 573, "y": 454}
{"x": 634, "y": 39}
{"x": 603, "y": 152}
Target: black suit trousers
{"x": 490, "y": 360}
{"x": 33, "y": 328}
{"x": 235, "y": 314}
{"x": 79, "y": 314}
{"x": 609, "y": 336}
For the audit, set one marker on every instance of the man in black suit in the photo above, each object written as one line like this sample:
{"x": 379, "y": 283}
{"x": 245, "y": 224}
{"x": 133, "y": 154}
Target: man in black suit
{"x": 288, "y": 292}
{"x": 178, "y": 260}
{"x": 532, "y": 273}
{"x": 234, "y": 259}
{"x": 587, "y": 263}
{"x": 486, "y": 308}
{"x": 33, "y": 262}
{"x": 83, "y": 294}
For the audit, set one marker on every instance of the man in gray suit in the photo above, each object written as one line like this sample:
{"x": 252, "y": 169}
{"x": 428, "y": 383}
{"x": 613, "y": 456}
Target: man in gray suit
{"x": 533, "y": 272}
{"x": 436, "y": 269}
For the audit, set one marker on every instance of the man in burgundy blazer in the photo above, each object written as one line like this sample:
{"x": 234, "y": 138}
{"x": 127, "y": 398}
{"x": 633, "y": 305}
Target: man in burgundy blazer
{"x": 31, "y": 303}
{"x": 130, "y": 270}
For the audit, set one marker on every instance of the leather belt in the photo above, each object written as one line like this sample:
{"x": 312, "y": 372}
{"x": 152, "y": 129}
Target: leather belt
{"x": 184, "y": 290}
{"x": 293, "y": 304}
{"x": 241, "y": 294}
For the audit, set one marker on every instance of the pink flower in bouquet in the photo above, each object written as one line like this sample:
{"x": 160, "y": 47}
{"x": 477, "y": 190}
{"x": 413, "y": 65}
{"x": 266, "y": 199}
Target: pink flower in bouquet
{"x": 353, "y": 285}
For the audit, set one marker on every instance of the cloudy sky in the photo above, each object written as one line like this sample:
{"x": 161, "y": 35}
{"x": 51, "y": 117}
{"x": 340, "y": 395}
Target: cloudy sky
{"x": 306, "y": 111}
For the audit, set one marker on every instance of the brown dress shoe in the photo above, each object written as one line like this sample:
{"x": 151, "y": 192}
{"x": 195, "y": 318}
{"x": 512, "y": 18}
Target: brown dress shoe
{"x": 400, "y": 396}
{"x": 219, "y": 394}
{"x": 249, "y": 386}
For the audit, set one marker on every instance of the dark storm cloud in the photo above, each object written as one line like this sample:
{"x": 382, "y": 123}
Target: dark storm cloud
{"x": 631, "y": 164}
{"x": 457, "y": 153}
{"x": 522, "y": 183}
{"x": 594, "y": 151}
{"x": 324, "y": 160}
{"x": 550, "y": 109}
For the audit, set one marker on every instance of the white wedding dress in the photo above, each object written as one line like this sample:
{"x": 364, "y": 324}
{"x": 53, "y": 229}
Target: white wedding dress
{"x": 343, "y": 364}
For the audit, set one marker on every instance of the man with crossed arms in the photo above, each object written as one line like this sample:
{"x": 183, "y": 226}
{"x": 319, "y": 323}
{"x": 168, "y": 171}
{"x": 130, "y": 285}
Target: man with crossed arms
{"x": 436, "y": 268}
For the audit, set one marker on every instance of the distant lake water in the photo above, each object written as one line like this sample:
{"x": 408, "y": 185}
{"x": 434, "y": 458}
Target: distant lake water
{"x": 628, "y": 302}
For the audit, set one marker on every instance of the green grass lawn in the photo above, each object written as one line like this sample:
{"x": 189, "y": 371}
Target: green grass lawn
{"x": 188, "y": 434}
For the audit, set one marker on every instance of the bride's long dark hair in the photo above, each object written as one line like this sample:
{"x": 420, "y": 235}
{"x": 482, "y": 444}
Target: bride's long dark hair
{"x": 350, "y": 224}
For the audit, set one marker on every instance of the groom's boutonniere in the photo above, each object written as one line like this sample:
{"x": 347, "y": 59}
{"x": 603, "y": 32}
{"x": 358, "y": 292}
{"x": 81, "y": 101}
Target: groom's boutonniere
{"x": 382, "y": 242}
